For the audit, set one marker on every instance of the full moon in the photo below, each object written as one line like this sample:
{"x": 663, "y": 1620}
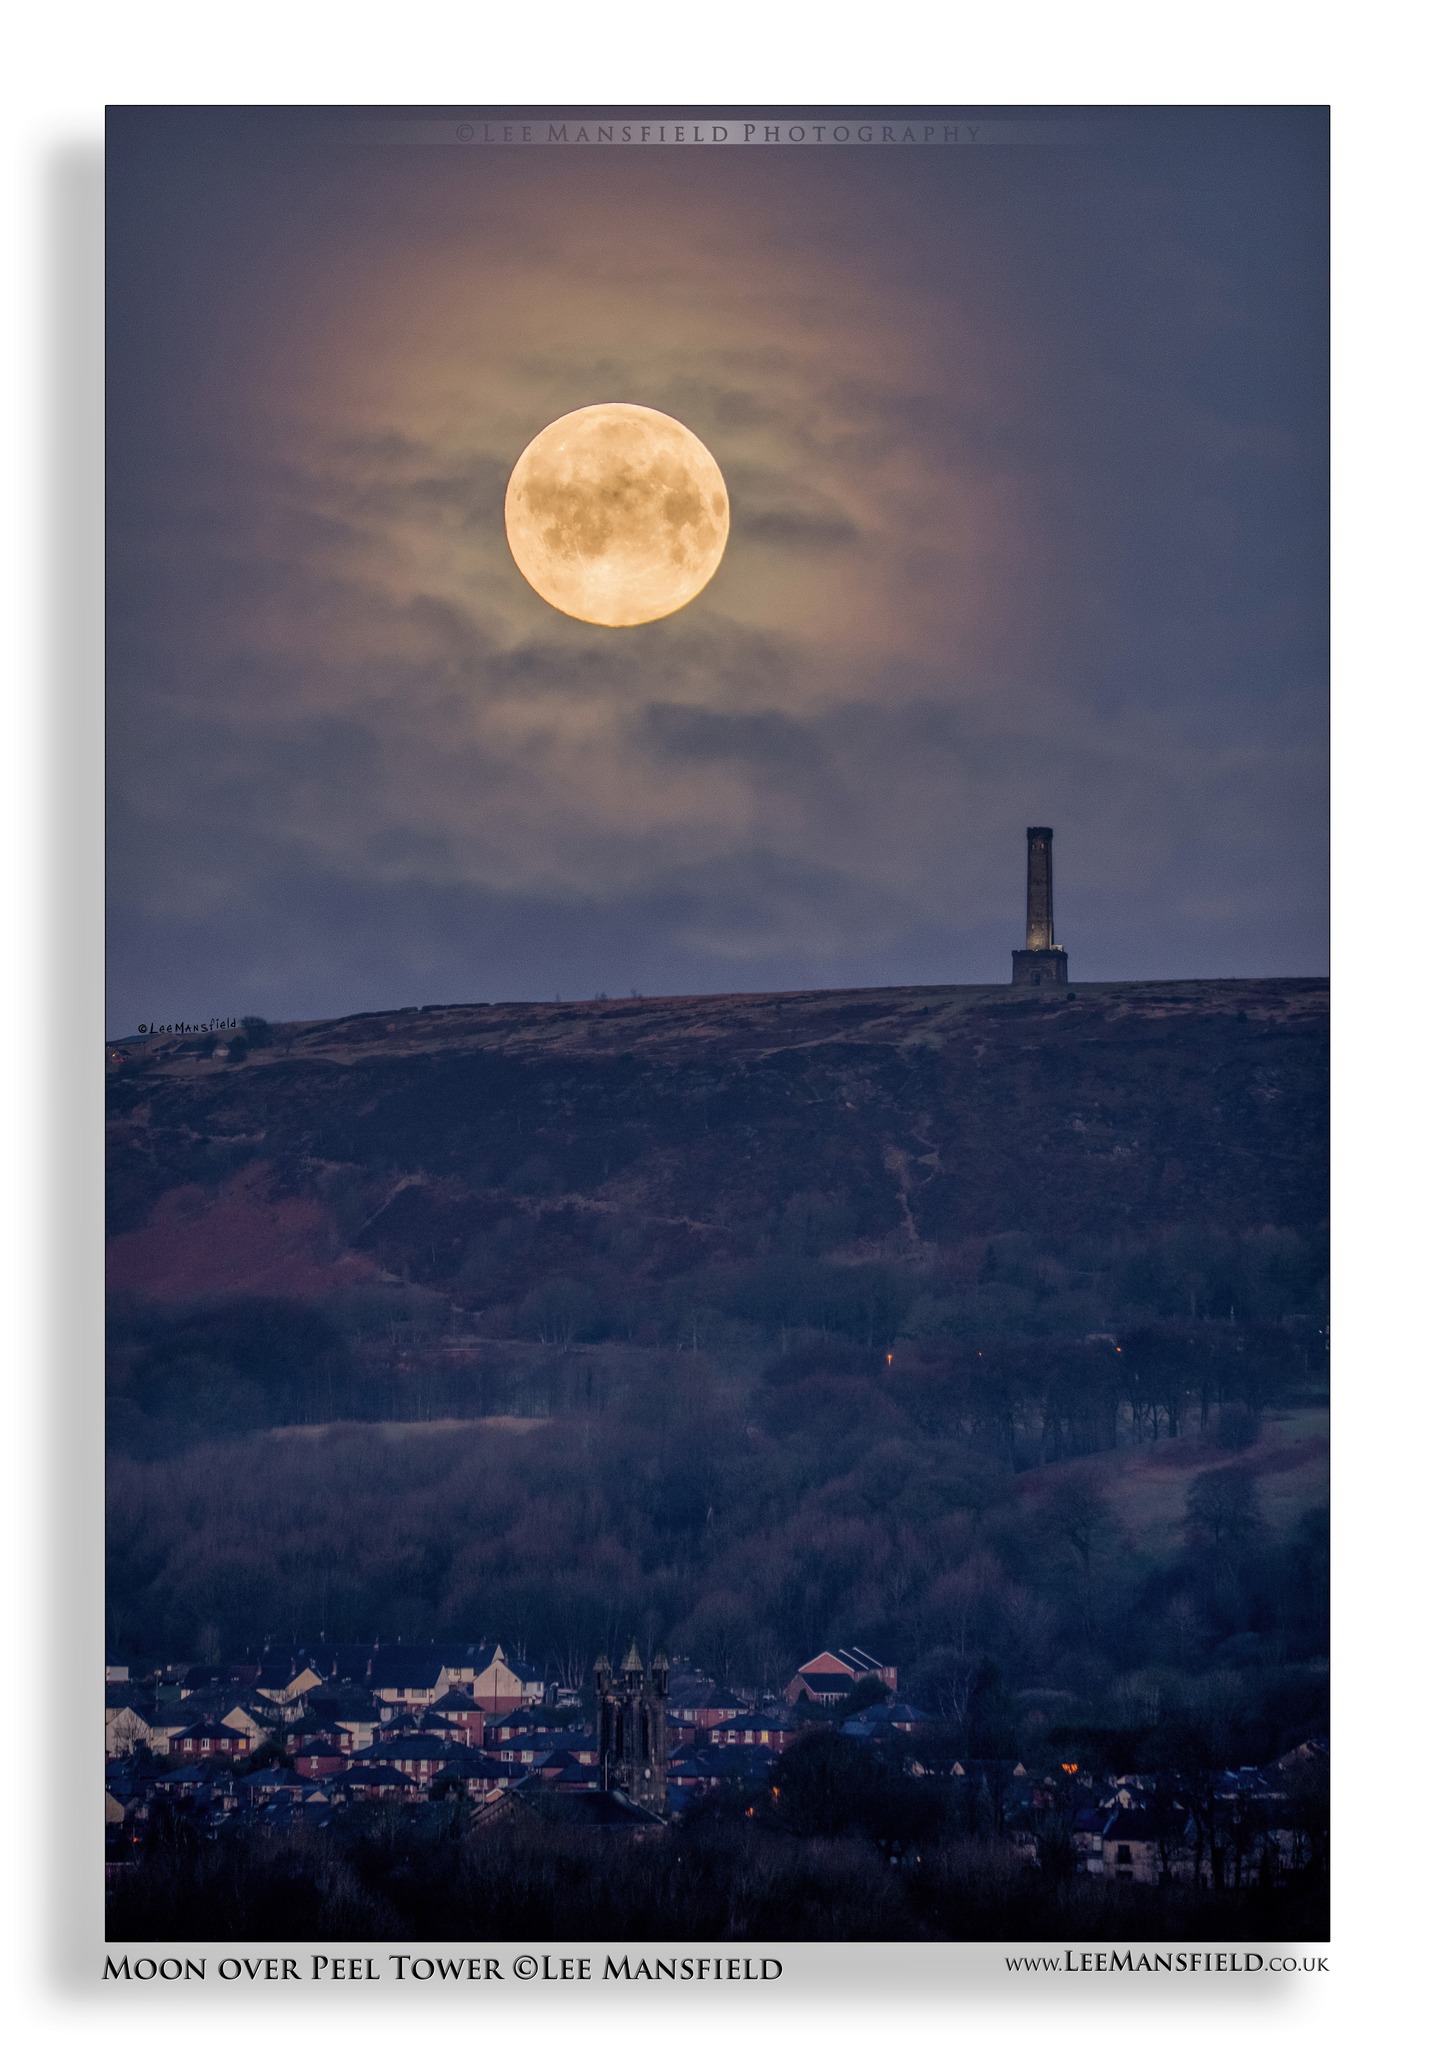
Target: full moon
{"x": 617, "y": 514}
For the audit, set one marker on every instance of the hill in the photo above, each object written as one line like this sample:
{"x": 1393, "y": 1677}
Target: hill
{"x": 480, "y": 1151}
{"x": 936, "y": 1318}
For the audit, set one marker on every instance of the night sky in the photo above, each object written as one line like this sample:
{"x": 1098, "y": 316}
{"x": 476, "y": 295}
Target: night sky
{"x": 1026, "y": 451}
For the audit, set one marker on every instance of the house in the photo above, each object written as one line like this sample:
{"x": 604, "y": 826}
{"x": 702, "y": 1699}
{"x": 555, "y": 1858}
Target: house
{"x": 200, "y": 1678}
{"x": 348, "y": 1664}
{"x": 460, "y": 1713}
{"x": 827, "y": 1689}
{"x": 696, "y": 1701}
{"x": 375, "y": 1781}
{"x": 577, "y": 1777}
{"x": 313, "y": 1729}
{"x": 522, "y": 1738}
{"x": 398, "y": 1721}
{"x": 707, "y": 1764}
{"x": 904, "y": 1718}
{"x": 319, "y": 1760}
{"x": 420, "y": 1757}
{"x": 346, "y": 1707}
{"x": 207, "y": 1778}
{"x": 248, "y": 1712}
{"x": 501, "y": 1681}
{"x": 286, "y": 1687}
{"x": 152, "y": 1724}
{"x": 1251, "y": 1784}
{"x": 418, "y": 1675}
{"x": 934, "y": 1767}
{"x": 878, "y": 1721}
{"x": 552, "y": 1763}
{"x": 1086, "y": 1831}
{"x": 127, "y": 1727}
{"x": 462, "y": 1662}
{"x": 761, "y": 1731}
{"x": 689, "y": 1766}
{"x": 481, "y": 1779}
{"x": 720, "y": 1705}
{"x": 1138, "y": 1843}
{"x": 229, "y": 1692}
{"x": 277, "y": 1786}
{"x": 526, "y": 1729}
{"x": 822, "y": 1678}
{"x": 404, "y": 1680}
{"x": 131, "y": 1792}
{"x": 416, "y": 1678}
{"x": 209, "y": 1738}
{"x": 525, "y": 1750}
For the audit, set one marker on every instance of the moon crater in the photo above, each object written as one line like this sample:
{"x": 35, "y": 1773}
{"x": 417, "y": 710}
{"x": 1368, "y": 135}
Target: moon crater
{"x": 617, "y": 514}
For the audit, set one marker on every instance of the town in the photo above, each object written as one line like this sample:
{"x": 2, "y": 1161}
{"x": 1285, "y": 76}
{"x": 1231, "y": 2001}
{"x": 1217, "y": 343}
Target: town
{"x": 293, "y": 1739}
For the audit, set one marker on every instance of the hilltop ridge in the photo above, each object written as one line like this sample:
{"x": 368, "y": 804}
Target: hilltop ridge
{"x": 753, "y": 1022}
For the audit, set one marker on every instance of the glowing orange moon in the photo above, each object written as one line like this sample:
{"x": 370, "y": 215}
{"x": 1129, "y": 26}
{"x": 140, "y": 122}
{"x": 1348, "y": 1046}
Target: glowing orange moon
{"x": 617, "y": 514}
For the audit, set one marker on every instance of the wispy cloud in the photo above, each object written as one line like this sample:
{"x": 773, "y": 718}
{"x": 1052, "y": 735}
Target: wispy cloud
{"x": 987, "y": 563}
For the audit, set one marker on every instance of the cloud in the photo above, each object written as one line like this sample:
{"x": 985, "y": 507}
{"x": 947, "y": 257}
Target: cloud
{"x": 1004, "y": 547}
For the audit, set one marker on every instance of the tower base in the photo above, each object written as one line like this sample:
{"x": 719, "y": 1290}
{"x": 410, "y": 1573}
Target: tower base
{"x": 1032, "y": 966}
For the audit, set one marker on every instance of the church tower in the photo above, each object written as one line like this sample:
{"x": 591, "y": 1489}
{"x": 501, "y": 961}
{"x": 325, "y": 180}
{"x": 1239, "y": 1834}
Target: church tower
{"x": 633, "y": 1728}
{"x": 1041, "y": 959}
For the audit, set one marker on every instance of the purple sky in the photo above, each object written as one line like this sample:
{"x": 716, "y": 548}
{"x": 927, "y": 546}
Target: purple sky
{"x": 1026, "y": 450}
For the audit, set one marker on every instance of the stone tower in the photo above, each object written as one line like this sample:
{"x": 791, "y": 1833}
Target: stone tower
{"x": 1041, "y": 959}
{"x": 633, "y": 1728}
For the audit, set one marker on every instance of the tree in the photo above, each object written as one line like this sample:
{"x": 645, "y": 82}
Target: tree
{"x": 1222, "y": 1509}
{"x": 558, "y": 1312}
{"x": 1309, "y": 1809}
{"x": 1161, "y": 1371}
{"x": 1181, "y": 1751}
{"x": 868, "y": 1692}
{"x": 1079, "y": 1520}
{"x": 829, "y": 1784}
{"x": 271, "y": 1754}
{"x": 826, "y": 1784}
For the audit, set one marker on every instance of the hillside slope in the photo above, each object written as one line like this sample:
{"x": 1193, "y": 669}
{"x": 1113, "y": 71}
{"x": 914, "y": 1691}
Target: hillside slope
{"x": 477, "y": 1150}
{"x": 904, "y": 1316}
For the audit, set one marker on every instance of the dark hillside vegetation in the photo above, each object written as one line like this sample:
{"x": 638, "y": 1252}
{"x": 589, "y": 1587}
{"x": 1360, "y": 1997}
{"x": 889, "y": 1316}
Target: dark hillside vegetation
{"x": 699, "y": 1132}
{"x": 921, "y": 1163}
{"x": 985, "y": 1328}
{"x": 528, "y": 1878}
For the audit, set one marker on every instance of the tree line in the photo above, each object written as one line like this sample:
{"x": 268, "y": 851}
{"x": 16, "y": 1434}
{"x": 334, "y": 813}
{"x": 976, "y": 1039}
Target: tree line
{"x": 851, "y": 1849}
